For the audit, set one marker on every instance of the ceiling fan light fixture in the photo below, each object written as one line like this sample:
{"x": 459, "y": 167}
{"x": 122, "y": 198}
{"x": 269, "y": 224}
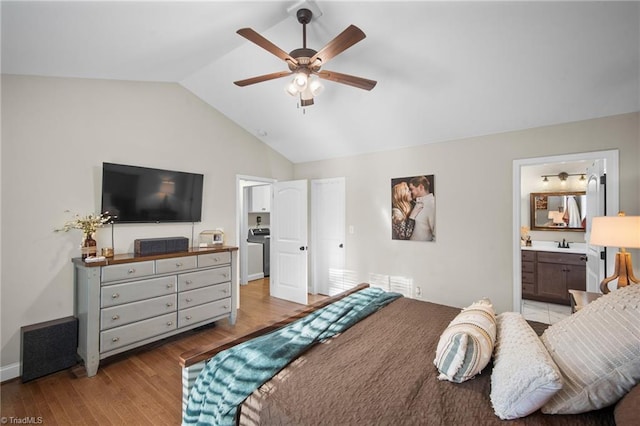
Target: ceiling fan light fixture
{"x": 291, "y": 89}
{"x": 316, "y": 87}
{"x": 306, "y": 94}
{"x": 300, "y": 81}
{"x": 304, "y": 61}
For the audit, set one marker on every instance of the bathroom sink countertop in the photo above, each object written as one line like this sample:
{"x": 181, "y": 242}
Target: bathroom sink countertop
{"x": 580, "y": 248}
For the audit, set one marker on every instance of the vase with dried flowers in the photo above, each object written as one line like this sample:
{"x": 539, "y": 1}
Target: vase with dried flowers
{"x": 88, "y": 224}
{"x": 525, "y": 238}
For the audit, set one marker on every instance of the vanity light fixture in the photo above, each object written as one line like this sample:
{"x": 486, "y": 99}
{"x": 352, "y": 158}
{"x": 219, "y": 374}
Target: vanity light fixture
{"x": 563, "y": 176}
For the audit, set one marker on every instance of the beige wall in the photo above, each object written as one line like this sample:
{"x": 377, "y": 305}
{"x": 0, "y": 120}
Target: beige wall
{"x": 55, "y": 135}
{"x": 57, "y": 132}
{"x": 472, "y": 256}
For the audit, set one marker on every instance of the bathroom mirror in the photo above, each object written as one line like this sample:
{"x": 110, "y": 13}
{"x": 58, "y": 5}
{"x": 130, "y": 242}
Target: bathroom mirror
{"x": 558, "y": 211}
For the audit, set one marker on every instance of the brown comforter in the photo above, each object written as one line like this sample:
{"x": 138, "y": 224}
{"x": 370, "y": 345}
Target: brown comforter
{"x": 381, "y": 372}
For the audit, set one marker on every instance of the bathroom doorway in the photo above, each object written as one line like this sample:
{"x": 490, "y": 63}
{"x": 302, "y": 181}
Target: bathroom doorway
{"x": 524, "y": 170}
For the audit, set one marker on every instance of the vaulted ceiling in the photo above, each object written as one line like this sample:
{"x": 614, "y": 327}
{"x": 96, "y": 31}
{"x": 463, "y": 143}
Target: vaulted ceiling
{"x": 445, "y": 70}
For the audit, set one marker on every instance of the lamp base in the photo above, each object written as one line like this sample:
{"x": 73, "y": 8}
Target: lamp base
{"x": 623, "y": 272}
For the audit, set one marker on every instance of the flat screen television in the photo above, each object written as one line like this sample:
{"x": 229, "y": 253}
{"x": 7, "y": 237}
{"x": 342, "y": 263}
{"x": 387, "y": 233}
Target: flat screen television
{"x": 141, "y": 194}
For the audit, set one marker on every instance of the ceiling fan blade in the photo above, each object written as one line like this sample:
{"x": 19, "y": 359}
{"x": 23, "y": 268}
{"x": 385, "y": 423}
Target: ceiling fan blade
{"x": 261, "y": 78}
{"x": 342, "y": 42}
{"x": 256, "y": 38}
{"x": 359, "y": 82}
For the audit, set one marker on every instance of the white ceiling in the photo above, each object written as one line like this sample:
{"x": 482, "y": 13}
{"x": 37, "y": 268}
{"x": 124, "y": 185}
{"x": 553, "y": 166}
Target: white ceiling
{"x": 445, "y": 70}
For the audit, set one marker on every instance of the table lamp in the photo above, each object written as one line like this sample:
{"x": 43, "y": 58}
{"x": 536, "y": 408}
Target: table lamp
{"x": 617, "y": 231}
{"x": 556, "y": 217}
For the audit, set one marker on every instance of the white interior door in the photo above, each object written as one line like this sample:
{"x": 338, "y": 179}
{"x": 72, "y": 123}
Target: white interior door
{"x": 289, "y": 241}
{"x": 328, "y": 236}
{"x": 596, "y": 267}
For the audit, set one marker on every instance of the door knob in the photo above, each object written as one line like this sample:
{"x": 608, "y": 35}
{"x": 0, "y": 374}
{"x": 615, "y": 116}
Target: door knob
{"x": 341, "y": 245}
{"x": 303, "y": 248}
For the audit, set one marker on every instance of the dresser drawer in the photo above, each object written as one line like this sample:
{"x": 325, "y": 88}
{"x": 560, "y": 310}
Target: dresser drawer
{"x": 528, "y": 288}
{"x": 175, "y": 265}
{"x": 127, "y": 271}
{"x": 187, "y": 317}
{"x": 193, "y": 280}
{"x": 136, "y": 311}
{"x": 202, "y": 295}
{"x": 528, "y": 278}
{"x": 528, "y": 255}
{"x": 528, "y": 266}
{"x": 117, "y": 294}
{"x": 213, "y": 259}
{"x": 131, "y": 333}
{"x": 563, "y": 258}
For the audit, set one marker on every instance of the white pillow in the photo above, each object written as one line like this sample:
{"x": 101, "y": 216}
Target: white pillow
{"x": 524, "y": 376}
{"x": 465, "y": 346}
{"x": 597, "y": 350}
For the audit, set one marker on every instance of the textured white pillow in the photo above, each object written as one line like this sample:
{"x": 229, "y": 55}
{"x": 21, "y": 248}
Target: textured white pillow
{"x": 524, "y": 376}
{"x": 465, "y": 346}
{"x": 597, "y": 350}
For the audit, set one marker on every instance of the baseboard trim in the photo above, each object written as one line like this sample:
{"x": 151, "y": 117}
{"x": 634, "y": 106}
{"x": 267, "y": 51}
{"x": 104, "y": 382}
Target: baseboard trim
{"x": 9, "y": 372}
{"x": 257, "y": 276}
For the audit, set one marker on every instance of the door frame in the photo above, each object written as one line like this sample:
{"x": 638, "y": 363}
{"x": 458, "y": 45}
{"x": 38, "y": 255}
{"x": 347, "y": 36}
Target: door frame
{"x": 612, "y": 202}
{"x": 242, "y": 225}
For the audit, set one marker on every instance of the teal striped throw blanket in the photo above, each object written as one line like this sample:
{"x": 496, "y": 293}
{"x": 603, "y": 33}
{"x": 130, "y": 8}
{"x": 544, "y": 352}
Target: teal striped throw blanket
{"x": 232, "y": 375}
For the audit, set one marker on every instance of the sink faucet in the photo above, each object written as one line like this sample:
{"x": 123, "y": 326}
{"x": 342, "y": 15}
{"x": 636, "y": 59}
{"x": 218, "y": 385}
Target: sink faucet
{"x": 563, "y": 244}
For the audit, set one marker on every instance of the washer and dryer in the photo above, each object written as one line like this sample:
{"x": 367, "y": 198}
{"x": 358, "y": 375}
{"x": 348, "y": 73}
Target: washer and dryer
{"x": 262, "y": 236}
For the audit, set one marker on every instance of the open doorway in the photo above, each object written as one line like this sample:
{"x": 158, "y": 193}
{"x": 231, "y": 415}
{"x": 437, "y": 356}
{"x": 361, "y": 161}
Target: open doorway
{"x": 253, "y": 215}
{"x": 527, "y": 173}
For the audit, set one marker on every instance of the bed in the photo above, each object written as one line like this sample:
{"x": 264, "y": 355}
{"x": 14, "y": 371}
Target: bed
{"x": 379, "y": 371}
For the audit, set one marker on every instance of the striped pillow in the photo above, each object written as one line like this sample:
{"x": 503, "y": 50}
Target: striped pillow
{"x": 597, "y": 350}
{"x": 465, "y": 346}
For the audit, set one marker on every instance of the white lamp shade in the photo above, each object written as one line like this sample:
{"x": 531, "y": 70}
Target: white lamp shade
{"x": 615, "y": 231}
{"x": 300, "y": 81}
{"x": 316, "y": 87}
{"x": 556, "y": 216}
{"x": 291, "y": 89}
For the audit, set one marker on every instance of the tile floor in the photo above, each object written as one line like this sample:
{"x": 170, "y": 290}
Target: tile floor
{"x": 547, "y": 313}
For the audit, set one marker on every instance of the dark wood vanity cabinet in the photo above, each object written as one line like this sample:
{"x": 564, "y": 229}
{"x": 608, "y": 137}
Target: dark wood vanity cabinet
{"x": 548, "y": 276}
{"x": 528, "y": 274}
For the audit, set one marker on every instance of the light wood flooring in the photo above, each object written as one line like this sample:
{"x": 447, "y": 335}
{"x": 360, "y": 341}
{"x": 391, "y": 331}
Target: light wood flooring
{"x": 141, "y": 387}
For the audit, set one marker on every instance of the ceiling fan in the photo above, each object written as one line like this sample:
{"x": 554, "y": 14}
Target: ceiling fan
{"x": 305, "y": 63}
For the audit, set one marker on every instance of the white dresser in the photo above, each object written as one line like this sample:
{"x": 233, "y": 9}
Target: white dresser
{"x": 129, "y": 300}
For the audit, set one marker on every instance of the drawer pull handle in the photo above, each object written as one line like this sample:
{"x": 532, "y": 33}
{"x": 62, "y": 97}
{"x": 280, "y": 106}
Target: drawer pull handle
{"x": 225, "y": 306}
{"x": 188, "y": 317}
{"x": 188, "y": 299}
{"x": 225, "y": 290}
{"x": 179, "y": 265}
{"x": 188, "y": 282}
{"x": 170, "y": 304}
{"x": 225, "y": 275}
{"x": 131, "y": 271}
{"x": 170, "y": 323}
{"x": 115, "y": 339}
{"x": 115, "y": 295}
{"x": 216, "y": 259}
{"x": 115, "y": 317}
{"x": 169, "y": 285}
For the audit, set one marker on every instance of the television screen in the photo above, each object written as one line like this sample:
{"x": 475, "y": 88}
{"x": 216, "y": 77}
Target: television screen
{"x": 141, "y": 194}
